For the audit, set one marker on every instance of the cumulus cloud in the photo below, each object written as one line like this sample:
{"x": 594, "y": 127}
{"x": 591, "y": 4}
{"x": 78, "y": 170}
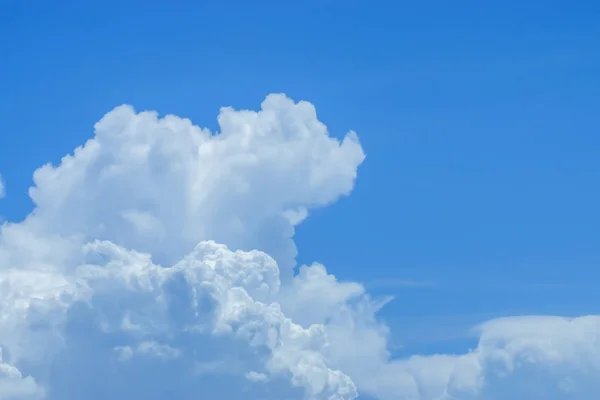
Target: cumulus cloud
{"x": 158, "y": 262}
{"x": 532, "y": 357}
{"x": 161, "y": 185}
{"x": 14, "y": 386}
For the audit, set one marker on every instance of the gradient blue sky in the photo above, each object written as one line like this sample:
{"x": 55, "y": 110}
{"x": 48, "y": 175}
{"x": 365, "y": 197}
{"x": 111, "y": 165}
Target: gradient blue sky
{"x": 480, "y": 122}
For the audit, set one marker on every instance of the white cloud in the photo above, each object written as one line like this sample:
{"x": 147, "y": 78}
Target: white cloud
{"x": 75, "y": 292}
{"x": 257, "y": 376}
{"x": 148, "y": 348}
{"x": 157, "y": 262}
{"x": 14, "y": 386}
{"x": 532, "y": 357}
{"x": 163, "y": 185}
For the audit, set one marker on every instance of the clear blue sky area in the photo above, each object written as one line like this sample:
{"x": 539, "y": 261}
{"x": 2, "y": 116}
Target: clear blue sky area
{"x": 479, "y": 196}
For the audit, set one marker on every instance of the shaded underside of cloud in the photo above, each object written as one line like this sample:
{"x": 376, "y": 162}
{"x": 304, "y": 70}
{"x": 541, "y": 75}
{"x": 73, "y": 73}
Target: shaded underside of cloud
{"x": 158, "y": 261}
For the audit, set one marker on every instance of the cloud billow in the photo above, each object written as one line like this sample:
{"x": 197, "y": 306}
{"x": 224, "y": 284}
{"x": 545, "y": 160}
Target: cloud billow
{"x": 158, "y": 260}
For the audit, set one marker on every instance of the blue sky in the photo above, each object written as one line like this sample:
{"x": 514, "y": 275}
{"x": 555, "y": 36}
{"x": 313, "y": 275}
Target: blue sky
{"x": 479, "y": 121}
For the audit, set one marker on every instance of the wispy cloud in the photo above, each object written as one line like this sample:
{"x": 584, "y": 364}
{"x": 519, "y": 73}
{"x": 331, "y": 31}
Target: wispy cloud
{"x": 400, "y": 283}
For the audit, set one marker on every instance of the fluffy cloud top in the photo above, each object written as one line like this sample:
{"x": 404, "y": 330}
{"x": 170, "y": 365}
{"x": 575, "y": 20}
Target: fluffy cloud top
{"x": 157, "y": 263}
{"x": 161, "y": 185}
